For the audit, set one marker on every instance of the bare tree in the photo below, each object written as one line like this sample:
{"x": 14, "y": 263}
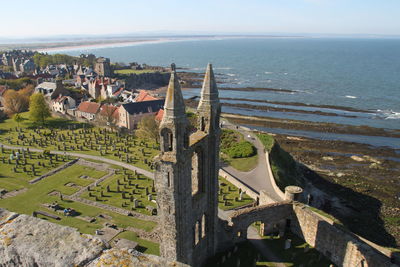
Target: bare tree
{"x": 148, "y": 128}
{"x": 17, "y": 101}
{"x": 108, "y": 116}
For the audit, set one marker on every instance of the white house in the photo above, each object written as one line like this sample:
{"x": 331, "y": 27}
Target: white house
{"x": 62, "y": 104}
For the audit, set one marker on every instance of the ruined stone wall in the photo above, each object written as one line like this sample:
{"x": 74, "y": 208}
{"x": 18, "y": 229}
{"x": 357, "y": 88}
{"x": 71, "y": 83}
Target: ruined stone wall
{"x": 250, "y": 192}
{"x": 268, "y": 214}
{"x": 338, "y": 244}
{"x": 28, "y": 241}
{"x": 146, "y": 80}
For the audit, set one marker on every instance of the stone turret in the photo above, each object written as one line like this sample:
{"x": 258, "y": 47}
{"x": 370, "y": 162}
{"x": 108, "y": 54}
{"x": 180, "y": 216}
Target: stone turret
{"x": 186, "y": 176}
{"x": 174, "y": 124}
{"x": 209, "y": 107}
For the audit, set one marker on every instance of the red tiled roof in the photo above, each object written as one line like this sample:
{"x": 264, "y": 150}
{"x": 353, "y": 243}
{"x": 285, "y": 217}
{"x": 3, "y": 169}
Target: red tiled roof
{"x": 119, "y": 91}
{"x": 89, "y": 107}
{"x": 159, "y": 115}
{"x": 144, "y": 96}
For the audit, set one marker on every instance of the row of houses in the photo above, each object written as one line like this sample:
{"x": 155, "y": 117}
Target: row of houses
{"x": 126, "y": 115}
{"x": 20, "y": 60}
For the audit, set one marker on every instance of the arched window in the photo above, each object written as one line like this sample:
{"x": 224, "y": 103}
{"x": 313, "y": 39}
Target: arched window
{"x": 196, "y": 233}
{"x": 203, "y": 226}
{"x": 166, "y": 140}
{"x": 197, "y": 171}
{"x": 202, "y": 124}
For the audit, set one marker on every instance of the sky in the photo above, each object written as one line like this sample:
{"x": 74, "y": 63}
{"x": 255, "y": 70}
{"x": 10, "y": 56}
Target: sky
{"x": 28, "y": 18}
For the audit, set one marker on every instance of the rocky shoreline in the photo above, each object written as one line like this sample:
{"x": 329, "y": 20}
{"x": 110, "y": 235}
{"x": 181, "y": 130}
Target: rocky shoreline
{"x": 312, "y": 126}
{"x": 361, "y": 182}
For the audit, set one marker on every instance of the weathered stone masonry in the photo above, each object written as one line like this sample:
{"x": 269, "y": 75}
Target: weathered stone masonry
{"x": 186, "y": 175}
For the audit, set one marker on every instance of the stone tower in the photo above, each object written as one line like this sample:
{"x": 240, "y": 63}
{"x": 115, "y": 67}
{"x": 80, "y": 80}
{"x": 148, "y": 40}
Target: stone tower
{"x": 186, "y": 176}
{"x": 102, "y": 67}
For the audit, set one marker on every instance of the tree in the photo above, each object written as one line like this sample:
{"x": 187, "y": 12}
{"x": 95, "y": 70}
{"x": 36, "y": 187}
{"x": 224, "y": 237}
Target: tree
{"x": 16, "y": 101}
{"x": 148, "y": 128}
{"x": 38, "y": 108}
{"x": 18, "y": 118}
{"x": 108, "y": 116}
{"x": 3, "y": 116}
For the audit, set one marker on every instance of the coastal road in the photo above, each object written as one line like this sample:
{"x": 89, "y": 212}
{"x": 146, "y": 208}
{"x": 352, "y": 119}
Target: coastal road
{"x": 259, "y": 178}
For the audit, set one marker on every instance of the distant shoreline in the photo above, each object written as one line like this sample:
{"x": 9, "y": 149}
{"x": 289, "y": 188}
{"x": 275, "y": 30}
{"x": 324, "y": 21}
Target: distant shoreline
{"x": 54, "y": 46}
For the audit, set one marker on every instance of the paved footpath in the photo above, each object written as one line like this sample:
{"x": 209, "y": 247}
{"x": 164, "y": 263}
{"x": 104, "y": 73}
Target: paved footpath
{"x": 258, "y": 178}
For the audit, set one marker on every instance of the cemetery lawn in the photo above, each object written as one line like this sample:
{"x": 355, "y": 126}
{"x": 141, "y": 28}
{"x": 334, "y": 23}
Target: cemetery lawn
{"x": 128, "y": 182}
{"x": 246, "y": 254}
{"x": 71, "y": 136}
{"x": 145, "y": 246}
{"x": 296, "y": 255}
{"x": 231, "y": 194}
{"x": 38, "y": 194}
{"x": 11, "y": 180}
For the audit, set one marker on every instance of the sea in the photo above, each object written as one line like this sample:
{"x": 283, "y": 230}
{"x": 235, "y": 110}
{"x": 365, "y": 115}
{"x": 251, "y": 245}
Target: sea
{"x": 361, "y": 74}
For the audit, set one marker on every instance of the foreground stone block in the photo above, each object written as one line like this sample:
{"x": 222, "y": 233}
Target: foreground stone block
{"x": 29, "y": 241}
{"x": 131, "y": 258}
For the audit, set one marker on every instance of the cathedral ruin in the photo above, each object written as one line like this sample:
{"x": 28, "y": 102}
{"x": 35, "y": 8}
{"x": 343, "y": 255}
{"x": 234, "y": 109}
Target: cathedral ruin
{"x": 186, "y": 176}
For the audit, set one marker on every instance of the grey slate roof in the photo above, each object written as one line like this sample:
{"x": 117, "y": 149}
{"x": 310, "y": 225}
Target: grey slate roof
{"x": 144, "y": 107}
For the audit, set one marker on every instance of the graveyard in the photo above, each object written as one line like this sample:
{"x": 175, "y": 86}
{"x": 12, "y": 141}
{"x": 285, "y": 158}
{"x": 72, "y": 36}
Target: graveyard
{"x": 41, "y": 177}
{"x": 231, "y": 197}
{"x": 70, "y": 136}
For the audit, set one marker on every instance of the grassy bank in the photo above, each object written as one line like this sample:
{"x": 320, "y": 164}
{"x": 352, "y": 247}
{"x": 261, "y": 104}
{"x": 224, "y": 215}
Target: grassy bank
{"x": 284, "y": 167}
{"x": 237, "y": 152}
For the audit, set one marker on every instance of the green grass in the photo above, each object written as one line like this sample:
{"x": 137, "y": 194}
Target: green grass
{"x": 87, "y": 140}
{"x": 267, "y": 140}
{"x": 232, "y": 142}
{"x": 241, "y": 164}
{"x": 145, "y": 246}
{"x": 231, "y": 193}
{"x": 131, "y": 71}
{"x": 11, "y": 180}
{"x": 246, "y": 253}
{"x": 37, "y": 194}
{"x": 324, "y": 214}
{"x": 114, "y": 197}
{"x": 296, "y": 255}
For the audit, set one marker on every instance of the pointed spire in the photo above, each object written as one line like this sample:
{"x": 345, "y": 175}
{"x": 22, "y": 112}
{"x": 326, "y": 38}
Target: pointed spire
{"x": 174, "y": 104}
{"x": 209, "y": 91}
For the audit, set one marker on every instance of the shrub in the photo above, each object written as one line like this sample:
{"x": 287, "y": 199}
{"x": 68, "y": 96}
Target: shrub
{"x": 242, "y": 149}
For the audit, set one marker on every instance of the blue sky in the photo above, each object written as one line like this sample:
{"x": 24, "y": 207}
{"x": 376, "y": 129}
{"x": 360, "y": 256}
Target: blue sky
{"x": 28, "y": 18}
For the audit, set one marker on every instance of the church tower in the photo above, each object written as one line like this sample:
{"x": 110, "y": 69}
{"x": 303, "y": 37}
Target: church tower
{"x": 186, "y": 176}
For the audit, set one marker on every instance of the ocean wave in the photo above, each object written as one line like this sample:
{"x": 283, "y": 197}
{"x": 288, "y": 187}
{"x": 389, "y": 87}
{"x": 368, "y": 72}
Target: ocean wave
{"x": 389, "y": 114}
{"x": 268, "y": 72}
{"x": 350, "y": 96}
{"x": 231, "y": 74}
